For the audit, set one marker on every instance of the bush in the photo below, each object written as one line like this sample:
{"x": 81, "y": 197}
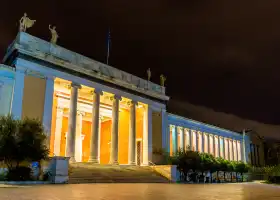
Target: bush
{"x": 21, "y": 141}
{"x": 19, "y": 174}
{"x": 192, "y": 163}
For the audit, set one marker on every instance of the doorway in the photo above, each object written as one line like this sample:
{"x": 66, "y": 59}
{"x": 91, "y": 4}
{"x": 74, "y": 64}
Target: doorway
{"x": 138, "y": 152}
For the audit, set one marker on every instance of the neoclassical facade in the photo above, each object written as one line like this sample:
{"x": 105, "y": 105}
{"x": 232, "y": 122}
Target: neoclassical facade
{"x": 95, "y": 113}
{"x": 186, "y": 133}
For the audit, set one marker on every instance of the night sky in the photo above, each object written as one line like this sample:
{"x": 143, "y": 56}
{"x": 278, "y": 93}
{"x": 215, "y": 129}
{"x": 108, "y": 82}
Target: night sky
{"x": 223, "y": 55}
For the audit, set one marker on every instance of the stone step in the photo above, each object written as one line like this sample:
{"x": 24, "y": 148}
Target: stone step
{"x": 88, "y": 173}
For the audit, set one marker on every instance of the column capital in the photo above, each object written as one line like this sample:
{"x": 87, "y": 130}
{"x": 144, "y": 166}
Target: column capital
{"x": 76, "y": 85}
{"x": 79, "y": 112}
{"x": 60, "y": 108}
{"x": 21, "y": 69}
{"x": 132, "y": 102}
{"x": 49, "y": 77}
{"x": 180, "y": 128}
{"x": 117, "y": 97}
{"x": 97, "y": 91}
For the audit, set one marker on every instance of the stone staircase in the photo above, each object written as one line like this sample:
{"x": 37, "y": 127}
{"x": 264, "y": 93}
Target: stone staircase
{"x": 90, "y": 173}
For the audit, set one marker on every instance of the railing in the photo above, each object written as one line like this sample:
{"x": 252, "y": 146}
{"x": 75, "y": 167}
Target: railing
{"x": 162, "y": 171}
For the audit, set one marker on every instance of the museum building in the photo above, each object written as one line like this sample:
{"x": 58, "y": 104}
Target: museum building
{"x": 93, "y": 112}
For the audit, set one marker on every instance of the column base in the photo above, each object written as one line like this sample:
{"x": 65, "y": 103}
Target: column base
{"x": 114, "y": 163}
{"x": 72, "y": 160}
{"x": 93, "y": 160}
{"x": 132, "y": 163}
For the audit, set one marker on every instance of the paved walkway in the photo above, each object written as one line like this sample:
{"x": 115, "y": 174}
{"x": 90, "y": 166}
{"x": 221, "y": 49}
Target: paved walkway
{"x": 143, "y": 191}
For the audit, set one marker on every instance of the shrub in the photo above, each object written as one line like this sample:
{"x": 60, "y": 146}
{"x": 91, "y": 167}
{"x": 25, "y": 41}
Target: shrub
{"x": 19, "y": 174}
{"x": 21, "y": 141}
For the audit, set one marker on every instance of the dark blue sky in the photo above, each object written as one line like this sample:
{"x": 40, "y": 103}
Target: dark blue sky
{"x": 221, "y": 54}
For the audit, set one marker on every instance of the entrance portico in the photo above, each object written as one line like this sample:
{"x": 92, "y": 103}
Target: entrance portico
{"x": 96, "y": 126}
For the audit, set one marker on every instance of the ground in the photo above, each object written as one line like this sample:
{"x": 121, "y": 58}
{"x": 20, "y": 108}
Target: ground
{"x": 246, "y": 191}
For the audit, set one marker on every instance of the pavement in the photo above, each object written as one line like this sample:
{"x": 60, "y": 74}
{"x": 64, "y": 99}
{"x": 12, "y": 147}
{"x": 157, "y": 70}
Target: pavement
{"x": 238, "y": 191}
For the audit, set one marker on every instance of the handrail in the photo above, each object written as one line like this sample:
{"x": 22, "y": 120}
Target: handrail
{"x": 153, "y": 165}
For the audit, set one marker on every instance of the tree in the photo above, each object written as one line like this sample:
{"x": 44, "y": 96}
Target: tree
{"x": 9, "y": 152}
{"x": 242, "y": 168}
{"x": 186, "y": 161}
{"x": 21, "y": 140}
{"x": 223, "y": 166}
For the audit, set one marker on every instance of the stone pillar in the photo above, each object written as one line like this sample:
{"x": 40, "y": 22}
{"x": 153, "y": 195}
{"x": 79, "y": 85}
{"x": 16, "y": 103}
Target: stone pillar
{"x": 147, "y": 135}
{"x": 209, "y": 144}
{"x": 58, "y": 129}
{"x": 202, "y": 142}
{"x": 78, "y": 137}
{"x": 132, "y": 134}
{"x": 94, "y": 156}
{"x": 191, "y": 139}
{"x": 214, "y": 146}
{"x": 99, "y": 133}
{"x": 115, "y": 131}
{"x": 229, "y": 149}
{"x": 47, "y": 117}
{"x": 182, "y": 137}
{"x": 219, "y": 147}
{"x": 236, "y": 150}
{"x": 197, "y": 141}
{"x": 70, "y": 151}
{"x": 16, "y": 109}
{"x": 224, "y": 148}
{"x": 232, "y": 147}
{"x": 175, "y": 148}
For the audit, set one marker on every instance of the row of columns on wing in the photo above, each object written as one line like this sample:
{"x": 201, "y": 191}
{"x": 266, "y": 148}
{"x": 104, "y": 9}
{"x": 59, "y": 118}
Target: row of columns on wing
{"x": 73, "y": 125}
{"x": 183, "y": 138}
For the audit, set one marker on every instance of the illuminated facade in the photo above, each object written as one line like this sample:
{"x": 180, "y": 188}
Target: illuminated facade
{"x": 186, "y": 133}
{"x": 95, "y": 113}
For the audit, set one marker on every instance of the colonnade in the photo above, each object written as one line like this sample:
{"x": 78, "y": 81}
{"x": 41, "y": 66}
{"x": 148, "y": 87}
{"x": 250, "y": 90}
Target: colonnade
{"x": 219, "y": 146}
{"x": 73, "y": 128}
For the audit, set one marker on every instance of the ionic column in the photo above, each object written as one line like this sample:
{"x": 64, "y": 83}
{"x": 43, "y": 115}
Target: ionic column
{"x": 224, "y": 148}
{"x": 229, "y": 149}
{"x": 147, "y": 135}
{"x": 219, "y": 147}
{"x": 99, "y": 136}
{"x": 58, "y": 129}
{"x": 48, "y": 104}
{"x": 209, "y": 144}
{"x": 132, "y": 134}
{"x": 197, "y": 140}
{"x": 115, "y": 131}
{"x": 16, "y": 109}
{"x": 182, "y": 141}
{"x": 78, "y": 137}
{"x": 95, "y": 135}
{"x": 72, "y": 120}
{"x": 214, "y": 146}
{"x": 191, "y": 139}
{"x": 202, "y": 142}
{"x": 175, "y": 139}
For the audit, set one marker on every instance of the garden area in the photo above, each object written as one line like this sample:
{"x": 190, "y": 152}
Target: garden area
{"x": 196, "y": 167}
{"x": 23, "y": 150}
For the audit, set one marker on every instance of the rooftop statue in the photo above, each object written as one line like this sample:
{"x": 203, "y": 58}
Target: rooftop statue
{"x": 25, "y": 23}
{"x": 162, "y": 80}
{"x": 149, "y": 73}
{"x": 54, "y": 34}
